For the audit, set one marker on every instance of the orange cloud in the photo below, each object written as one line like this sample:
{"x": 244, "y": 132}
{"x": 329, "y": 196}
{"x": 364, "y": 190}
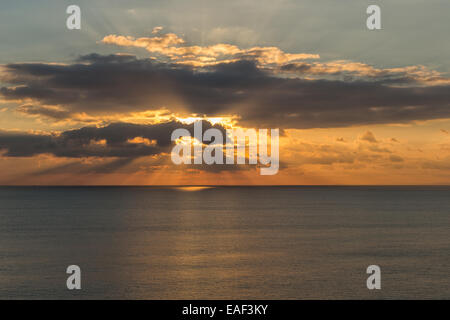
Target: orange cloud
{"x": 141, "y": 140}
{"x": 174, "y": 48}
{"x": 344, "y": 68}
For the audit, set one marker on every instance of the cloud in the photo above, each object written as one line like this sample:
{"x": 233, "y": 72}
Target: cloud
{"x": 103, "y": 85}
{"x": 395, "y": 158}
{"x": 351, "y": 71}
{"x": 112, "y": 148}
{"x": 46, "y": 111}
{"x": 157, "y": 30}
{"x": 369, "y": 137}
{"x": 121, "y": 140}
{"x": 441, "y": 165}
{"x": 327, "y": 160}
{"x": 379, "y": 149}
{"x": 174, "y": 48}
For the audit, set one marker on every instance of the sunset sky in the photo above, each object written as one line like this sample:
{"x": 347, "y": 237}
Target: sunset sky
{"x": 98, "y": 105}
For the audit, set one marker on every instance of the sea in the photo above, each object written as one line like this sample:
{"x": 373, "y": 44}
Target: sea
{"x": 281, "y": 242}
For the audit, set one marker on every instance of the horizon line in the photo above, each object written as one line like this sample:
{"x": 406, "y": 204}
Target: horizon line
{"x": 237, "y": 185}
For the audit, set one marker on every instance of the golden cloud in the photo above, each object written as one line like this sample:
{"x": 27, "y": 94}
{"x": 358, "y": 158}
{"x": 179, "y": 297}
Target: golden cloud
{"x": 174, "y": 48}
{"x": 345, "y": 68}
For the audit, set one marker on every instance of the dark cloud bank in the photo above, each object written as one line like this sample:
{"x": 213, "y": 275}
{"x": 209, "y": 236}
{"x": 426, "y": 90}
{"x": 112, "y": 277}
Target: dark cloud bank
{"x": 98, "y": 84}
{"x": 84, "y": 142}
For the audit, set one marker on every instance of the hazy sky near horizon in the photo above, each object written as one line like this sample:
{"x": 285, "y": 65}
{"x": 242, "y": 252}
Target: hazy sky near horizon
{"x": 96, "y": 105}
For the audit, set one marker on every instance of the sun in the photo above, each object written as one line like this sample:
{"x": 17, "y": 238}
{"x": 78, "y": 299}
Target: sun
{"x": 226, "y": 122}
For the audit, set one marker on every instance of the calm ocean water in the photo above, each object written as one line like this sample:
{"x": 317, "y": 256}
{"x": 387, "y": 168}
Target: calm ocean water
{"x": 225, "y": 243}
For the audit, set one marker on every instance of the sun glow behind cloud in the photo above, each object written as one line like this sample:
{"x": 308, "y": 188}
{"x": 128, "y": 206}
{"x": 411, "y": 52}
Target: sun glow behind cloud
{"x": 227, "y": 122}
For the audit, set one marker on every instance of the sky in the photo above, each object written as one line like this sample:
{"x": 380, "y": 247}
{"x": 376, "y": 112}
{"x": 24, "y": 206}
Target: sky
{"x": 97, "y": 106}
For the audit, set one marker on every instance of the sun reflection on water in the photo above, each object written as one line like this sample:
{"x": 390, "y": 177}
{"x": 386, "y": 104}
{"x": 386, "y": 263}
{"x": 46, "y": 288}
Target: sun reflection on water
{"x": 192, "y": 189}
